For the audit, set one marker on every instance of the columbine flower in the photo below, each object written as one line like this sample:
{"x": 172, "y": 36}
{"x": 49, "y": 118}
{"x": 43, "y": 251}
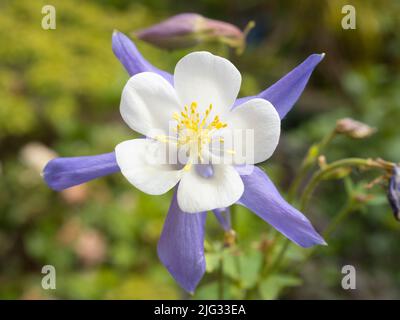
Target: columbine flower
{"x": 394, "y": 192}
{"x": 189, "y": 29}
{"x": 152, "y": 98}
{"x": 199, "y": 104}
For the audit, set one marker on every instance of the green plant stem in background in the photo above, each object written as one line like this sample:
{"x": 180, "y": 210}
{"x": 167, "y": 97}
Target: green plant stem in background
{"x": 233, "y": 223}
{"x": 351, "y": 203}
{"x": 348, "y": 208}
{"x": 309, "y": 160}
{"x": 230, "y": 243}
{"x": 268, "y": 267}
{"x": 315, "y": 179}
{"x": 279, "y": 257}
{"x": 221, "y": 278}
{"x": 349, "y": 162}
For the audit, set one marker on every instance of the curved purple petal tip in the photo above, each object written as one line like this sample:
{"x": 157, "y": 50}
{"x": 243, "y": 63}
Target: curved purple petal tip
{"x": 261, "y": 196}
{"x": 284, "y": 93}
{"x": 63, "y": 173}
{"x": 130, "y": 57}
{"x": 181, "y": 246}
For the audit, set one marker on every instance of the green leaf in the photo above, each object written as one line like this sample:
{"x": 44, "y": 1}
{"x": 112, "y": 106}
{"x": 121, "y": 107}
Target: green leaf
{"x": 230, "y": 265}
{"x": 249, "y": 268}
{"x": 272, "y": 286}
{"x": 212, "y": 261}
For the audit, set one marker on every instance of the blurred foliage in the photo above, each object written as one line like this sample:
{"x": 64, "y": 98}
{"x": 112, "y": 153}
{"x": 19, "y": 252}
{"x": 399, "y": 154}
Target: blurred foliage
{"x": 62, "y": 88}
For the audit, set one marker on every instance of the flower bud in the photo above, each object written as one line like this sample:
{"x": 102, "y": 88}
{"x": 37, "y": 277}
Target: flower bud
{"x": 353, "y": 128}
{"x": 189, "y": 29}
{"x": 394, "y": 192}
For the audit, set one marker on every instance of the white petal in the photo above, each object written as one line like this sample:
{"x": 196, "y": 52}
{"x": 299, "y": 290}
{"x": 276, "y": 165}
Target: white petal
{"x": 258, "y": 119}
{"x": 144, "y": 164}
{"x": 197, "y": 193}
{"x": 207, "y": 79}
{"x": 148, "y": 102}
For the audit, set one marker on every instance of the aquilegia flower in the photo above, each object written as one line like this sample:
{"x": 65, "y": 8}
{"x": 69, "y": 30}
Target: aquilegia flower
{"x": 200, "y": 101}
{"x": 199, "y": 106}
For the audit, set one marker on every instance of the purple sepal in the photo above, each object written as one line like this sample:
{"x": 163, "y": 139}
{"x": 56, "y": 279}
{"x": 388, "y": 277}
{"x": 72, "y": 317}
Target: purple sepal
{"x": 63, "y": 173}
{"x": 181, "y": 246}
{"x": 284, "y": 93}
{"x": 261, "y": 196}
{"x": 130, "y": 57}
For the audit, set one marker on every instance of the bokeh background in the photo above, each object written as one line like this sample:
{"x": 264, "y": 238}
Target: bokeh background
{"x": 59, "y": 94}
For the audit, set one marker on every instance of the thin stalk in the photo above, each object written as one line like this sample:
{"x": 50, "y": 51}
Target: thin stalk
{"x": 349, "y": 162}
{"x": 347, "y": 209}
{"x": 308, "y": 161}
{"x": 281, "y": 254}
{"x": 357, "y": 162}
{"x": 221, "y": 278}
{"x": 339, "y": 218}
{"x": 267, "y": 267}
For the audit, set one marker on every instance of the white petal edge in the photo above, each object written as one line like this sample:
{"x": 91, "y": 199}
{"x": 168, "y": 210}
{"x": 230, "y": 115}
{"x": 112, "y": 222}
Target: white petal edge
{"x": 260, "y": 116}
{"x": 207, "y": 79}
{"x": 198, "y": 194}
{"x": 148, "y": 103}
{"x": 140, "y": 163}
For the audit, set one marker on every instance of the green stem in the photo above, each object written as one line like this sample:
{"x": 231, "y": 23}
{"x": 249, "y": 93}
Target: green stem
{"x": 358, "y": 162}
{"x": 281, "y": 254}
{"x": 221, "y": 279}
{"x": 233, "y": 223}
{"x": 350, "y": 207}
{"x": 309, "y": 160}
{"x": 339, "y": 218}
{"x": 267, "y": 267}
{"x": 306, "y": 165}
{"x": 349, "y": 162}
{"x": 315, "y": 179}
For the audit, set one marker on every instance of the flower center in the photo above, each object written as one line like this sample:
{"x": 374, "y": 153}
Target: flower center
{"x": 194, "y": 131}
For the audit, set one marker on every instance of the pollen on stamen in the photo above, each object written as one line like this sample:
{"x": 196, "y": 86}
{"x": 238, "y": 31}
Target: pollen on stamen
{"x": 187, "y": 166}
{"x": 194, "y": 128}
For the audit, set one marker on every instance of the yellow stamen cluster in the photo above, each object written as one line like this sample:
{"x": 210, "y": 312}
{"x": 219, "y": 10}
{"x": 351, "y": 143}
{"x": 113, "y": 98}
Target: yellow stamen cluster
{"x": 189, "y": 119}
{"x": 194, "y": 131}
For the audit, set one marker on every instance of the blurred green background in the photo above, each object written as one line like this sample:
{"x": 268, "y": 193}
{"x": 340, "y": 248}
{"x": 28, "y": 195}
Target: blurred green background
{"x": 61, "y": 89}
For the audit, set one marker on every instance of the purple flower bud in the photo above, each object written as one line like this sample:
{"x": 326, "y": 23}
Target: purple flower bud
{"x": 394, "y": 192}
{"x": 189, "y": 29}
